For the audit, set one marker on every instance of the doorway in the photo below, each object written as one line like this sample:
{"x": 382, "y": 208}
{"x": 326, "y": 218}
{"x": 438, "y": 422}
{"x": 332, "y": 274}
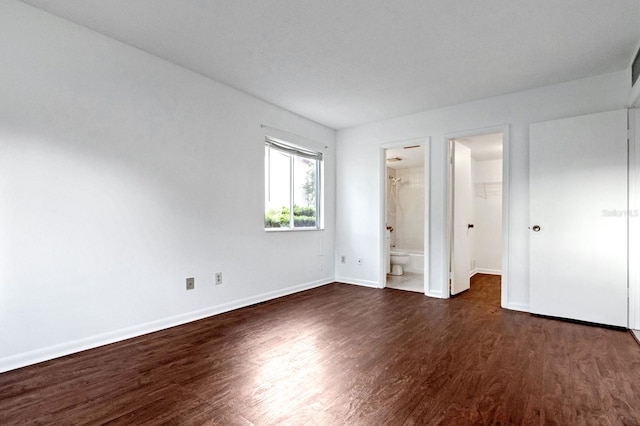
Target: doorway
{"x": 405, "y": 187}
{"x": 476, "y": 212}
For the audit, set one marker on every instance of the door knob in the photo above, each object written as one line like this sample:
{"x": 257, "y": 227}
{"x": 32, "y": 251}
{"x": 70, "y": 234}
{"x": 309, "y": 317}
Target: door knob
{"x": 470, "y": 226}
{"x": 536, "y": 228}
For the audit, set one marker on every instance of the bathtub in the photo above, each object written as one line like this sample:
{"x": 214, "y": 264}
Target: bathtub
{"x": 416, "y": 260}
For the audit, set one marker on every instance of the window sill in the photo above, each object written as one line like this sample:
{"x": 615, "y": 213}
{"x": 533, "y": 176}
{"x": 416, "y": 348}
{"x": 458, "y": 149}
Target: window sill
{"x": 277, "y": 230}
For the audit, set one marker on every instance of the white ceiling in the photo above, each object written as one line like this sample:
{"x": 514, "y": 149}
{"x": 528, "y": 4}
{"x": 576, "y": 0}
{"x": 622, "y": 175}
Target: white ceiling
{"x": 344, "y": 63}
{"x": 484, "y": 147}
{"x": 409, "y": 157}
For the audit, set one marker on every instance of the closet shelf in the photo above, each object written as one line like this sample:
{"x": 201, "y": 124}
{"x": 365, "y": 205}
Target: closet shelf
{"x": 488, "y": 189}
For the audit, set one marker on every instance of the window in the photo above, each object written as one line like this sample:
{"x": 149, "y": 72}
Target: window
{"x": 292, "y": 186}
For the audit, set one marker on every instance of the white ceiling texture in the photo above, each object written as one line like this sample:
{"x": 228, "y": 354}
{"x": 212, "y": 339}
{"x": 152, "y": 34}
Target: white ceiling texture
{"x": 347, "y": 62}
{"x": 483, "y": 148}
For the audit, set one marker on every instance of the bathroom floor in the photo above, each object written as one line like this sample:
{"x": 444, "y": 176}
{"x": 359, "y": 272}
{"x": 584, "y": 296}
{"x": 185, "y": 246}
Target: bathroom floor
{"x": 409, "y": 281}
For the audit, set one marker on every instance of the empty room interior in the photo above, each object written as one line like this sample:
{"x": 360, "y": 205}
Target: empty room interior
{"x": 336, "y": 212}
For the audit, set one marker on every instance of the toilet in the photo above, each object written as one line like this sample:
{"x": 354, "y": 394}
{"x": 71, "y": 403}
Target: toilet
{"x": 398, "y": 260}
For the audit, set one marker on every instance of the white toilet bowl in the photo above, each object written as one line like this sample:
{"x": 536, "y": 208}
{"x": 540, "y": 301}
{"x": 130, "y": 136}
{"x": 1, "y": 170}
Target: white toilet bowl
{"x": 398, "y": 260}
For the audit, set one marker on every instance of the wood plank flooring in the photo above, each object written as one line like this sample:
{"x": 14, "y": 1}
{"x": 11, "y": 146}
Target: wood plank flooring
{"x": 344, "y": 355}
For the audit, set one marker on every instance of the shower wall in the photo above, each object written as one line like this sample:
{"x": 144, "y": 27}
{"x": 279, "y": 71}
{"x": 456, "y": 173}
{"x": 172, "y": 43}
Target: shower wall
{"x": 409, "y": 220}
{"x": 391, "y": 206}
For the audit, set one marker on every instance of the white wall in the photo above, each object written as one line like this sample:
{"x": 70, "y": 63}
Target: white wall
{"x": 121, "y": 175}
{"x": 359, "y": 226}
{"x": 634, "y": 220}
{"x": 487, "y": 216}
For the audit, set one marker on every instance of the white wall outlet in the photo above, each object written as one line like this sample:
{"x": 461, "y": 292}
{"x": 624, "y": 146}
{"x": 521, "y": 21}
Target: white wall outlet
{"x": 343, "y": 259}
{"x": 360, "y": 261}
{"x": 191, "y": 283}
{"x": 218, "y": 278}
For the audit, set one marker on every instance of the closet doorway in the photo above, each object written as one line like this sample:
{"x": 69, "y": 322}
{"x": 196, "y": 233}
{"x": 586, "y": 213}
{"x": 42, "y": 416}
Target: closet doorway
{"x": 476, "y": 214}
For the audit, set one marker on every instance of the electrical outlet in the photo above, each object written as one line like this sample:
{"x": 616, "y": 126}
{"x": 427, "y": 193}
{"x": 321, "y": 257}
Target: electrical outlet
{"x": 218, "y": 278}
{"x": 343, "y": 259}
{"x": 191, "y": 283}
{"x": 360, "y": 261}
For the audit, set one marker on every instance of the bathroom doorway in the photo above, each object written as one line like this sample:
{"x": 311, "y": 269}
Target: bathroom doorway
{"x": 405, "y": 216}
{"x": 476, "y": 213}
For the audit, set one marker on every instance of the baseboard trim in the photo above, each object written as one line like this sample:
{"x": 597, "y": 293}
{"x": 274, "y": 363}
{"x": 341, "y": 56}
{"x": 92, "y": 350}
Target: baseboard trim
{"x": 56, "y": 351}
{"x": 488, "y": 271}
{"x": 518, "y": 307}
{"x": 356, "y": 281}
{"x": 434, "y": 293}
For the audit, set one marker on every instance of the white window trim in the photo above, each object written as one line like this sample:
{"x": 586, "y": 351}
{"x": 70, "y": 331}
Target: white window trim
{"x": 285, "y": 144}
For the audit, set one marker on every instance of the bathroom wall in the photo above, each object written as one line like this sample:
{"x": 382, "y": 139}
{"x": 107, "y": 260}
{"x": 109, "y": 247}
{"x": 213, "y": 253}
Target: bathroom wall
{"x": 409, "y": 227}
{"x": 391, "y": 206}
{"x": 487, "y": 216}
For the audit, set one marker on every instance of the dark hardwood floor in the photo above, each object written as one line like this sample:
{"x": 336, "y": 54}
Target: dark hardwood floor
{"x": 343, "y": 354}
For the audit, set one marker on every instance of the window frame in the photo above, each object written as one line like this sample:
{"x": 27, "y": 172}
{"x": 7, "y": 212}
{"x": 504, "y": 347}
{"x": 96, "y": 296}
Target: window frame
{"x": 295, "y": 151}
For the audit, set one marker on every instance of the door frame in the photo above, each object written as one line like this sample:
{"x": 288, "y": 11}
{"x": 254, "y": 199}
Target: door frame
{"x": 425, "y": 142}
{"x": 633, "y": 218}
{"x": 506, "y": 177}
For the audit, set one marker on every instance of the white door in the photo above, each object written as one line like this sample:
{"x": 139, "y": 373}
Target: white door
{"x": 578, "y": 207}
{"x": 461, "y": 257}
